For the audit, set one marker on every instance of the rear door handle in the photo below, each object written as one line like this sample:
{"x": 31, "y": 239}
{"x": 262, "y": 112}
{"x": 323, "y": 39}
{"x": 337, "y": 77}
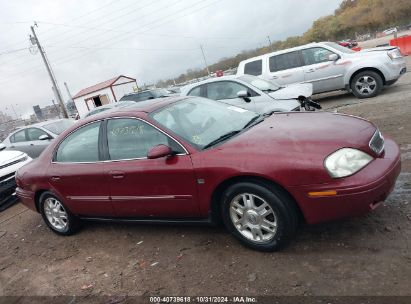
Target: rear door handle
{"x": 55, "y": 178}
{"x": 274, "y": 77}
{"x": 310, "y": 71}
{"x": 117, "y": 174}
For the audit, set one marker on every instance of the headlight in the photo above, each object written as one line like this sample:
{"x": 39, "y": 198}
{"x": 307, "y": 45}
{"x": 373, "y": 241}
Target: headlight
{"x": 394, "y": 54}
{"x": 345, "y": 162}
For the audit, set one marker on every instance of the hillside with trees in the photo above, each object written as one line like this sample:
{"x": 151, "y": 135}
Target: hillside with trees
{"x": 351, "y": 19}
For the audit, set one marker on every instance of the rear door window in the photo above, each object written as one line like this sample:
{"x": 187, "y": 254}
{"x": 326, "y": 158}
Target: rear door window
{"x": 35, "y": 133}
{"x": 18, "y": 137}
{"x": 285, "y": 61}
{"x": 81, "y": 145}
{"x": 315, "y": 55}
{"x": 254, "y": 67}
{"x": 224, "y": 90}
{"x": 195, "y": 92}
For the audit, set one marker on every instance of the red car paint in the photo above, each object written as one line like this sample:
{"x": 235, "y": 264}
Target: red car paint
{"x": 287, "y": 148}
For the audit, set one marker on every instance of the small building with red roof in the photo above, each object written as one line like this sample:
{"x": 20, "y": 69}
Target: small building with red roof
{"x": 103, "y": 93}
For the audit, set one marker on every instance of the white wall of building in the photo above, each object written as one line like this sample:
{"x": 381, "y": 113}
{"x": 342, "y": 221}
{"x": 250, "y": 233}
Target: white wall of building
{"x": 81, "y": 101}
{"x": 121, "y": 90}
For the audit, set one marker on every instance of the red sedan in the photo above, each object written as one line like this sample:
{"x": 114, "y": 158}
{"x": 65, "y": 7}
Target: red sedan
{"x": 196, "y": 160}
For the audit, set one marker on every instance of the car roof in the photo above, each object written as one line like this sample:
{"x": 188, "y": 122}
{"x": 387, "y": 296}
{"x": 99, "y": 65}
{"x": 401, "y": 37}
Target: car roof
{"x": 296, "y": 48}
{"x": 42, "y": 123}
{"x": 209, "y": 80}
{"x": 145, "y": 106}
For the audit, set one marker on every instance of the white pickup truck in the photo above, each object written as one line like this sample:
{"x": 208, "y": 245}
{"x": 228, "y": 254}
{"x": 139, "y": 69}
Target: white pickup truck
{"x": 329, "y": 67}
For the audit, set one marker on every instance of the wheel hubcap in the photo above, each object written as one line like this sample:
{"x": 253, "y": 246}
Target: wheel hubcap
{"x": 55, "y": 214}
{"x": 253, "y": 217}
{"x": 366, "y": 85}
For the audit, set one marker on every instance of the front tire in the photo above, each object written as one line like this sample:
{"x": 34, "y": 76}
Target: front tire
{"x": 262, "y": 217}
{"x": 366, "y": 84}
{"x": 56, "y": 215}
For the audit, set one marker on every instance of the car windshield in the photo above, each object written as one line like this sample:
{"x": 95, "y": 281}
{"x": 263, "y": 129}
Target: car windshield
{"x": 160, "y": 92}
{"x": 58, "y": 127}
{"x": 340, "y": 48}
{"x": 259, "y": 83}
{"x": 200, "y": 121}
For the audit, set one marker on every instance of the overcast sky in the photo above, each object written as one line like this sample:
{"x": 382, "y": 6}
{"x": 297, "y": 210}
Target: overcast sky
{"x": 91, "y": 41}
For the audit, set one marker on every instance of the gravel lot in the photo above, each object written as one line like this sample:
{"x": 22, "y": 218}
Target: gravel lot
{"x": 362, "y": 256}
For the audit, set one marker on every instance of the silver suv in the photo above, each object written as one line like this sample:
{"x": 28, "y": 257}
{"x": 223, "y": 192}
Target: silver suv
{"x": 329, "y": 67}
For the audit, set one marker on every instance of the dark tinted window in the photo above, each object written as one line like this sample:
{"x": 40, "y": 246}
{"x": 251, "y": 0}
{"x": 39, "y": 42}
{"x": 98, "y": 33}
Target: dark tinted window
{"x": 138, "y": 96}
{"x": 254, "y": 68}
{"x": 132, "y": 138}
{"x": 18, "y": 137}
{"x": 34, "y": 133}
{"x": 81, "y": 145}
{"x": 224, "y": 90}
{"x": 284, "y": 62}
{"x": 316, "y": 55}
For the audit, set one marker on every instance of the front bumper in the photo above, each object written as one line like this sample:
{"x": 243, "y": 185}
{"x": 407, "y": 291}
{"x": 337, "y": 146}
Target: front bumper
{"x": 7, "y": 189}
{"x": 357, "y": 194}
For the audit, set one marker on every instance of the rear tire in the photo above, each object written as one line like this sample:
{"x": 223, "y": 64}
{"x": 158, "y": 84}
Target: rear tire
{"x": 56, "y": 215}
{"x": 366, "y": 84}
{"x": 262, "y": 217}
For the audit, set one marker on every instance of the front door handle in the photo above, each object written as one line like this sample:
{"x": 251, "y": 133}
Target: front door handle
{"x": 117, "y": 174}
{"x": 310, "y": 71}
{"x": 55, "y": 178}
{"x": 274, "y": 77}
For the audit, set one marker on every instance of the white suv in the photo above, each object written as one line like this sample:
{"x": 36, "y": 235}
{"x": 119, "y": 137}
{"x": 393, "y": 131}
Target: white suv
{"x": 329, "y": 67}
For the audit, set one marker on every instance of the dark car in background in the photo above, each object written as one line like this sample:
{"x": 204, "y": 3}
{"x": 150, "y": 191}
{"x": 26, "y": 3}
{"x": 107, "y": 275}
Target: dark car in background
{"x": 35, "y": 138}
{"x": 147, "y": 94}
{"x": 119, "y": 104}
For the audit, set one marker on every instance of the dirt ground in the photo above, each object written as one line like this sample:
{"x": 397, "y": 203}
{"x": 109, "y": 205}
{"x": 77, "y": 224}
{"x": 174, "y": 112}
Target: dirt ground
{"x": 362, "y": 256}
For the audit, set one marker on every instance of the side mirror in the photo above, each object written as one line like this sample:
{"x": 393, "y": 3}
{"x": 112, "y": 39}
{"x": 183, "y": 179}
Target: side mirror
{"x": 244, "y": 95}
{"x": 159, "y": 151}
{"x": 333, "y": 57}
{"x": 2, "y": 147}
{"x": 44, "y": 137}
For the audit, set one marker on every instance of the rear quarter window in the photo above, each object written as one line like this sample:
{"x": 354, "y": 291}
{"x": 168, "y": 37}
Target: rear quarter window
{"x": 254, "y": 67}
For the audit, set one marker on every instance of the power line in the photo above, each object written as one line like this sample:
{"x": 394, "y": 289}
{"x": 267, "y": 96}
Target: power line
{"x": 13, "y": 51}
{"x": 141, "y": 7}
{"x": 107, "y": 21}
{"x": 70, "y": 58}
{"x": 87, "y": 14}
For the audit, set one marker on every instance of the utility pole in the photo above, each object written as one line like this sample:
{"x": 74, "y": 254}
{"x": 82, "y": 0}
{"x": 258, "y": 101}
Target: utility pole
{"x": 56, "y": 108}
{"x": 34, "y": 40}
{"x": 205, "y": 61}
{"x": 270, "y": 44}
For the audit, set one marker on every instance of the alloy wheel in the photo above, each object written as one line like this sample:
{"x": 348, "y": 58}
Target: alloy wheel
{"x": 253, "y": 217}
{"x": 55, "y": 214}
{"x": 366, "y": 85}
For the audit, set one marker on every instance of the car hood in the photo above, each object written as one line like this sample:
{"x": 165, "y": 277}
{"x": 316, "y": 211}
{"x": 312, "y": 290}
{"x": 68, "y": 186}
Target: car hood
{"x": 293, "y": 91}
{"x": 306, "y": 134}
{"x": 9, "y": 156}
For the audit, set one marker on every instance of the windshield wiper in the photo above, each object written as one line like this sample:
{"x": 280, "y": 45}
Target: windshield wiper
{"x": 221, "y": 138}
{"x": 270, "y": 90}
{"x": 255, "y": 120}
